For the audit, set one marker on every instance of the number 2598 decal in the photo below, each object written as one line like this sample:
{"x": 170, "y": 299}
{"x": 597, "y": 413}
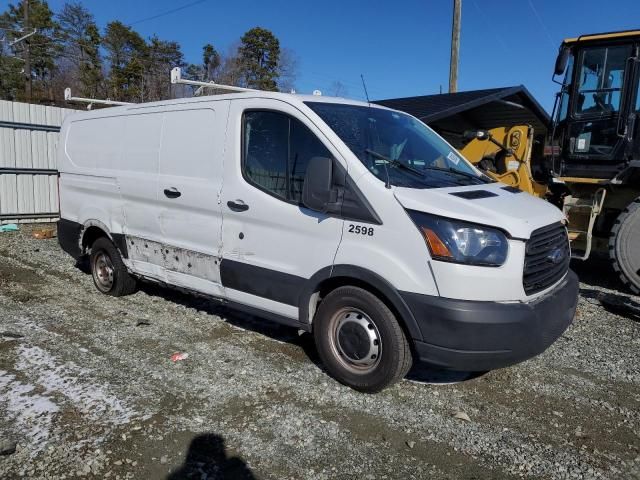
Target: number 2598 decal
{"x": 361, "y": 230}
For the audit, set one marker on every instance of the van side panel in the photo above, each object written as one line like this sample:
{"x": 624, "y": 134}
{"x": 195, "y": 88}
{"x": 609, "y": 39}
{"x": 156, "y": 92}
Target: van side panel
{"x": 89, "y": 189}
{"x": 273, "y": 246}
{"x": 394, "y": 250}
{"x": 137, "y": 173}
{"x": 188, "y": 196}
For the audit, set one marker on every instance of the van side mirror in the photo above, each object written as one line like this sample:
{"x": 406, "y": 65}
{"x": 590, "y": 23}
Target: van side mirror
{"x": 317, "y": 193}
{"x": 561, "y": 60}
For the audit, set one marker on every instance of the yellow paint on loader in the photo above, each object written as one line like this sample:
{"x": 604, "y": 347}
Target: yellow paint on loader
{"x": 514, "y": 168}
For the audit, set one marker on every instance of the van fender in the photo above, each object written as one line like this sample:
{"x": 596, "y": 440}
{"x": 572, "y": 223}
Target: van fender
{"x": 361, "y": 276}
{"x": 118, "y": 239}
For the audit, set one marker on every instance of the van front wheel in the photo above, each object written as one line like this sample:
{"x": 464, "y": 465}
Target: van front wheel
{"x": 109, "y": 273}
{"x": 360, "y": 341}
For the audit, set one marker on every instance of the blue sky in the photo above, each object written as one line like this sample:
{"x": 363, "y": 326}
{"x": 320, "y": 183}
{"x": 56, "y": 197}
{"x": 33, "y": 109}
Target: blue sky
{"x": 401, "y": 47}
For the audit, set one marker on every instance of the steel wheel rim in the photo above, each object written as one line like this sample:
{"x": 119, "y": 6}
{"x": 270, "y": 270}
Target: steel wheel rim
{"x": 103, "y": 271}
{"x": 355, "y": 340}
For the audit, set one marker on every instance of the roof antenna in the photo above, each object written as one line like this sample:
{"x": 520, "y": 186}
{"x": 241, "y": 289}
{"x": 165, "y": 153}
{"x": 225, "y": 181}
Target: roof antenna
{"x": 386, "y": 167}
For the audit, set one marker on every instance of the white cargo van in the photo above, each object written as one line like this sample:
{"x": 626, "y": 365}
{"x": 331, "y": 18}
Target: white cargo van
{"x": 352, "y": 221}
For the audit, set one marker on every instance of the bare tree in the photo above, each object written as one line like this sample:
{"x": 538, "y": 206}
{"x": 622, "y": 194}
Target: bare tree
{"x": 287, "y": 70}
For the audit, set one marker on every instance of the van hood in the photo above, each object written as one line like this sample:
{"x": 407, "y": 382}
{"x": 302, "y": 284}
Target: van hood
{"x": 493, "y": 204}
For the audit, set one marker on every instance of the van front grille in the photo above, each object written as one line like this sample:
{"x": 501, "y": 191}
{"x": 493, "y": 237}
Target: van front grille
{"x": 547, "y": 258}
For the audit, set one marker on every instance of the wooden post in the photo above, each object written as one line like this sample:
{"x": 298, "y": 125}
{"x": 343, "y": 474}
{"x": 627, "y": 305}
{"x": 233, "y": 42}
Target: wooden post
{"x": 455, "y": 46}
{"x": 27, "y": 56}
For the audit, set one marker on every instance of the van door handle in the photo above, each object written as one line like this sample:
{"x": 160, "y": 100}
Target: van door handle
{"x": 237, "y": 206}
{"x": 172, "y": 192}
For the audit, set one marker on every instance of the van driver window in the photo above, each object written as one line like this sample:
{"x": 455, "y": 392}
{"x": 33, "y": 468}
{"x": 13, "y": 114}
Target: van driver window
{"x": 277, "y": 150}
{"x": 266, "y": 136}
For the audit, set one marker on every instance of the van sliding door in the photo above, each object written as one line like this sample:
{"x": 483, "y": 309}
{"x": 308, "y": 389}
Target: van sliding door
{"x": 189, "y": 184}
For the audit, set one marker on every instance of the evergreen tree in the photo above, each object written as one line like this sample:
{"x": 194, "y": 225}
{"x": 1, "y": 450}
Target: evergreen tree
{"x": 210, "y": 61}
{"x": 90, "y": 74}
{"x": 161, "y": 57}
{"x": 258, "y": 58}
{"x": 125, "y": 52}
{"x": 42, "y": 47}
{"x": 80, "y": 39}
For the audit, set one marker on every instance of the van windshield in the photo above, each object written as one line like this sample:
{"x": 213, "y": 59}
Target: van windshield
{"x": 397, "y": 148}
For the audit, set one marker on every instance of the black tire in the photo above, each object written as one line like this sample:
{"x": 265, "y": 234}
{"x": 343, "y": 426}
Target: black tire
{"x": 110, "y": 275}
{"x": 342, "y": 339}
{"x": 624, "y": 246}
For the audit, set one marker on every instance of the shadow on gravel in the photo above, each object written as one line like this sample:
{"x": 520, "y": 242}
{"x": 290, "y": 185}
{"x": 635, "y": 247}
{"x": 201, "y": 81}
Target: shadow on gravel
{"x": 422, "y": 373}
{"x": 613, "y": 303}
{"x": 245, "y": 321}
{"x": 598, "y": 272}
{"x": 207, "y": 458}
{"x": 83, "y": 265}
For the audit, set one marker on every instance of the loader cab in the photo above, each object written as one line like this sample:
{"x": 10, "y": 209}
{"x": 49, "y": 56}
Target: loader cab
{"x": 595, "y": 118}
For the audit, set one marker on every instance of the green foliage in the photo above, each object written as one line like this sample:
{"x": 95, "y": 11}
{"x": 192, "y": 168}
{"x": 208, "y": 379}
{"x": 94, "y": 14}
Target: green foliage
{"x": 161, "y": 56}
{"x": 43, "y": 49}
{"x": 210, "y": 60}
{"x": 90, "y": 74}
{"x": 80, "y": 39}
{"x": 125, "y": 50}
{"x": 258, "y": 57}
{"x": 69, "y": 50}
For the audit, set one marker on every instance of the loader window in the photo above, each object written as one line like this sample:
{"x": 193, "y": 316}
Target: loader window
{"x": 564, "y": 93}
{"x": 599, "y": 83}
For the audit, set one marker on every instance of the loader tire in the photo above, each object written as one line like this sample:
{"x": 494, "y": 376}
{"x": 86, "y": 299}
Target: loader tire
{"x": 624, "y": 246}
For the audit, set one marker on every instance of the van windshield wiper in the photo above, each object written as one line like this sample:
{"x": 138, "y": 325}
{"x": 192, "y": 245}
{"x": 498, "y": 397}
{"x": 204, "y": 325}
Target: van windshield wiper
{"x": 454, "y": 171}
{"x": 392, "y": 161}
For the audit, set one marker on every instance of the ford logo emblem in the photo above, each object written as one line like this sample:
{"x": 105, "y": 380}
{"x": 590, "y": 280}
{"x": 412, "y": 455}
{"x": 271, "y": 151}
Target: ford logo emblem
{"x": 556, "y": 256}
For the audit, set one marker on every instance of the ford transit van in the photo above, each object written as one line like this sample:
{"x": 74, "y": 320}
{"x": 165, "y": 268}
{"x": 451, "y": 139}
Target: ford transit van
{"x": 352, "y": 221}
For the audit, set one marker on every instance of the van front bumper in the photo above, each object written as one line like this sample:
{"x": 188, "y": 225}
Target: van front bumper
{"x": 479, "y": 336}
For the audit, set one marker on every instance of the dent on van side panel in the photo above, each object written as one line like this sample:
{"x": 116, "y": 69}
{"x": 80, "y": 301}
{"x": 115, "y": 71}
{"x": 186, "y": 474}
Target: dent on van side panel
{"x": 189, "y": 186}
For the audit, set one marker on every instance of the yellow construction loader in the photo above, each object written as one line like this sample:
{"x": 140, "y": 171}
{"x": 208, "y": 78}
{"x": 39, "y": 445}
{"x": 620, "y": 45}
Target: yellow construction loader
{"x": 590, "y": 167}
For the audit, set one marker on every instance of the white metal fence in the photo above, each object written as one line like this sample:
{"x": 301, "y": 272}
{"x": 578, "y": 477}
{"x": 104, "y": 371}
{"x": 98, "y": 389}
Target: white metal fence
{"x": 28, "y": 170}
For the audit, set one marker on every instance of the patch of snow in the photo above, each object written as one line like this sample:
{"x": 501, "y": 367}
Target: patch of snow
{"x": 32, "y": 413}
{"x": 70, "y": 380}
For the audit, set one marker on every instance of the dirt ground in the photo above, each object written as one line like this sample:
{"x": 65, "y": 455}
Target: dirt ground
{"x": 88, "y": 389}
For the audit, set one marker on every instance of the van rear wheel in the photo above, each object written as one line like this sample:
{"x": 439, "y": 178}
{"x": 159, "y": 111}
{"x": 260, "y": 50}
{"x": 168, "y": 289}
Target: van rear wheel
{"x": 109, "y": 273}
{"x": 360, "y": 341}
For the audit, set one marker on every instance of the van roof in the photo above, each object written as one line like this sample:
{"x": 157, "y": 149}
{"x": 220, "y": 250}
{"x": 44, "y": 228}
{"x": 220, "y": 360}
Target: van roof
{"x": 288, "y": 97}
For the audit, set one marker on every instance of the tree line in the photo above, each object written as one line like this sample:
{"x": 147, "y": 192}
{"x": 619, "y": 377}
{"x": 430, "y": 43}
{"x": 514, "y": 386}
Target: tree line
{"x": 68, "y": 49}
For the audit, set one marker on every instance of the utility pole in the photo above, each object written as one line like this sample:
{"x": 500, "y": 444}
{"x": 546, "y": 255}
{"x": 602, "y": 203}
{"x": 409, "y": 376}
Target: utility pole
{"x": 455, "y": 46}
{"x": 27, "y": 57}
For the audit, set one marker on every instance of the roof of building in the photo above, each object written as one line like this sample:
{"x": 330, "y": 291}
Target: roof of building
{"x": 452, "y": 113}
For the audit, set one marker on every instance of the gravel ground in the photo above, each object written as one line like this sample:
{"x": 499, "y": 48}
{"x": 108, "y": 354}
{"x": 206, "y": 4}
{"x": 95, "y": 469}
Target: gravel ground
{"x": 87, "y": 389}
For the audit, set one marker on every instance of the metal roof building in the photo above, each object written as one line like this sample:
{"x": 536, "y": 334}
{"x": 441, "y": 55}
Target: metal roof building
{"x": 450, "y": 114}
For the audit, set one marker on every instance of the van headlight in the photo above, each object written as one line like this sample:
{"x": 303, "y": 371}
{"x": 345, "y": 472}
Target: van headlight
{"x": 461, "y": 242}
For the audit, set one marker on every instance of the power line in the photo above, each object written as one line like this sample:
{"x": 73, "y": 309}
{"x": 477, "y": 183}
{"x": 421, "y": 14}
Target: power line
{"x": 489, "y": 26}
{"x": 544, "y": 27}
{"x": 168, "y": 12}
